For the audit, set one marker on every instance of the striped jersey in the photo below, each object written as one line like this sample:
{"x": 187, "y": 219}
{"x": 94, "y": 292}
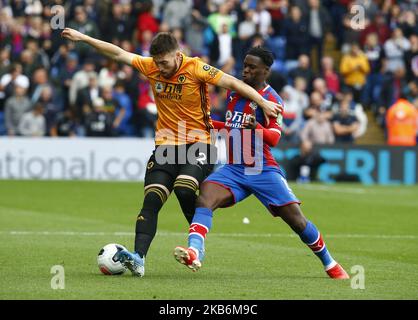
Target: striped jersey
{"x": 246, "y": 146}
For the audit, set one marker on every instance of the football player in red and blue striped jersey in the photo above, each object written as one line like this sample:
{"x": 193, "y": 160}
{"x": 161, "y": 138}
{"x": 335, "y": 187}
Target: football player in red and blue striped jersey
{"x": 251, "y": 169}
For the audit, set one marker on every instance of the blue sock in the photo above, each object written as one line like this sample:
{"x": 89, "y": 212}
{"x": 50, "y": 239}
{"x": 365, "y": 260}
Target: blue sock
{"x": 312, "y": 237}
{"x": 200, "y": 226}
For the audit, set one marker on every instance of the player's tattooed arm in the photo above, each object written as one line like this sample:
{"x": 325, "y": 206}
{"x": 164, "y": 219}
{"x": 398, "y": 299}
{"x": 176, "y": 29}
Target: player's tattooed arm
{"x": 105, "y": 48}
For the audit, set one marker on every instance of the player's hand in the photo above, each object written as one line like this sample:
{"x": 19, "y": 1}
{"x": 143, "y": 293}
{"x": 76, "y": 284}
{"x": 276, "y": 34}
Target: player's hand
{"x": 72, "y": 34}
{"x": 271, "y": 109}
{"x": 250, "y": 123}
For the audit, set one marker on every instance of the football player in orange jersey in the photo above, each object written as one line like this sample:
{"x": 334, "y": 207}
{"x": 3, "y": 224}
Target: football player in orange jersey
{"x": 183, "y": 156}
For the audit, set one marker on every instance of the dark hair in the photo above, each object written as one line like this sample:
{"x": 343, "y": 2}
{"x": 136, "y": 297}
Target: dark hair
{"x": 265, "y": 55}
{"x": 163, "y": 43}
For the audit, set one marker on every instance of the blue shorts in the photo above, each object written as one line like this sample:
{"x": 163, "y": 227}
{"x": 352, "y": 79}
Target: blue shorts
{"x": 270, "y": 186}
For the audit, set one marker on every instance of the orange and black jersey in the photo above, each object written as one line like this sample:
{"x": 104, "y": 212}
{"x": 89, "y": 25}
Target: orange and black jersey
{"x": 182, "y": 101}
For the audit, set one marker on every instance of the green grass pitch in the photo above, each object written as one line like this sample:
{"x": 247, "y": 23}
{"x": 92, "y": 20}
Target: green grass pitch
{"x": 43, "y": 224}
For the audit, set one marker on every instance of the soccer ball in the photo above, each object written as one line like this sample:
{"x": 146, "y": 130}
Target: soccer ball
{"x": 107, "y": 262}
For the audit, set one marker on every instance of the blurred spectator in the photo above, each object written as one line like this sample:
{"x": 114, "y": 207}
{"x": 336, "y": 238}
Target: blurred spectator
{"x": 40, "y": 58}
{"x": 262, "y": 19}
{"x": 85, "y": 98}
{"x": 344, "y": 123}
{"x": 277, "y": 80}
{"x": 328, "y": 99}
{"x": 121, "y": 25}
{"x": 194, "y": 34}
{"x": 410, "y": 92}
{"x": 112, "y": 106}
{"x": 295, "y": 30}
{"x": 408, "y": 23}
{"x": 318, "y": 130}
{"x": 373, "y": 52}
{"x": 83, "y": 24}
{"x": 16, "y": 106}
{"x": 108, "y": 74}
{"x": 370, "y": 8}
{"x": 354, "y": 68}
{"x": 124, "y": 113}
{"x": 32, "y": 123}
{"x": 176, "y": 13}
{"x": 146, "y": 21}
{"x": 145, "y": 44}
{"x": 131, "y": 82}
{"x": 304, "y": 166}
{"x": 222, "y": 17}
{"x": 379, "y": 27}
{"x": 4, "y": 60}
{"x": 81, "y": 80}
{"x": 296, "y": 101}
{"x": 319, "y": 25}
{"x": 278, "y": 10}
{"x": 357, "y": 110}
{"x": 50, "y": 108}
{"x": 248, "y": 27}
{"x": 316, "y": 104}
{"x": 329, "y": 74}
{"x": 146, "y": 111}
{"x": 65, "y": 76}
{"x": 225, "y": 48}
{"x": 411, "y": 59}
{"x": 28, "y": 62}
{"x": 394, "y": 16}
{"x": 65, "y": 125}
{"x": 402, "y": 123}
{"x": 395, "y": 47}
{"x": 351, "y": 31}
{"x": 303, "y": 70}
{"x": 9, "y": 80}
{"x": 99, "y": 123}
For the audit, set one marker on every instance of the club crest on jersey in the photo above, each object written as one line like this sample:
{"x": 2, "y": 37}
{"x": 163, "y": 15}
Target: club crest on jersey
{"x": 159, "y": 87}
{"x": 253, "y": 105}
{"x": 228, "y": 115}
{"x": 181, "y": 78}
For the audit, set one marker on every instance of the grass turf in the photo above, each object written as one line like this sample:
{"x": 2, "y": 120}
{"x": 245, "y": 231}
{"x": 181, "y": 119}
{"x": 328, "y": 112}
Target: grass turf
{"x": 47, "y": 223}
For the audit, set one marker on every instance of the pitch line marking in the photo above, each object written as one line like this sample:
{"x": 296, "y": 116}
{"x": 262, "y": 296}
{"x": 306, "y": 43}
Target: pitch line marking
{"x": 234, "y": 235}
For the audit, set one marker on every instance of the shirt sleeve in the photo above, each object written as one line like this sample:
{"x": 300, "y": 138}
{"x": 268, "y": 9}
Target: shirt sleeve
{"x": 207, "y": 73}
{"x": 142, "y": 64}
{"x": 275, "y": 123}
{"x": 270, "y": 136}
{"x": 218, "y": 124}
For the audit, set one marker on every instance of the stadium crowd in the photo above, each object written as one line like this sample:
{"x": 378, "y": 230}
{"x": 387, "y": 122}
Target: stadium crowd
{"x": 328, "y": 70}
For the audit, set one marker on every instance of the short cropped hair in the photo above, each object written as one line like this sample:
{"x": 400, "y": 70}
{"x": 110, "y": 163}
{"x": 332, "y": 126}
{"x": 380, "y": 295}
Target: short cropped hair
{"x": 163, "y": 43}
{"x": 264, "y": 54}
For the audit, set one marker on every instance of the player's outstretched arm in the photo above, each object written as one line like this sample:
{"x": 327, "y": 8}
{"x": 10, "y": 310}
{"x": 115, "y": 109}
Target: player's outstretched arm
{"x": 105, "y": 48}
{"x": 270, "y": 108}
